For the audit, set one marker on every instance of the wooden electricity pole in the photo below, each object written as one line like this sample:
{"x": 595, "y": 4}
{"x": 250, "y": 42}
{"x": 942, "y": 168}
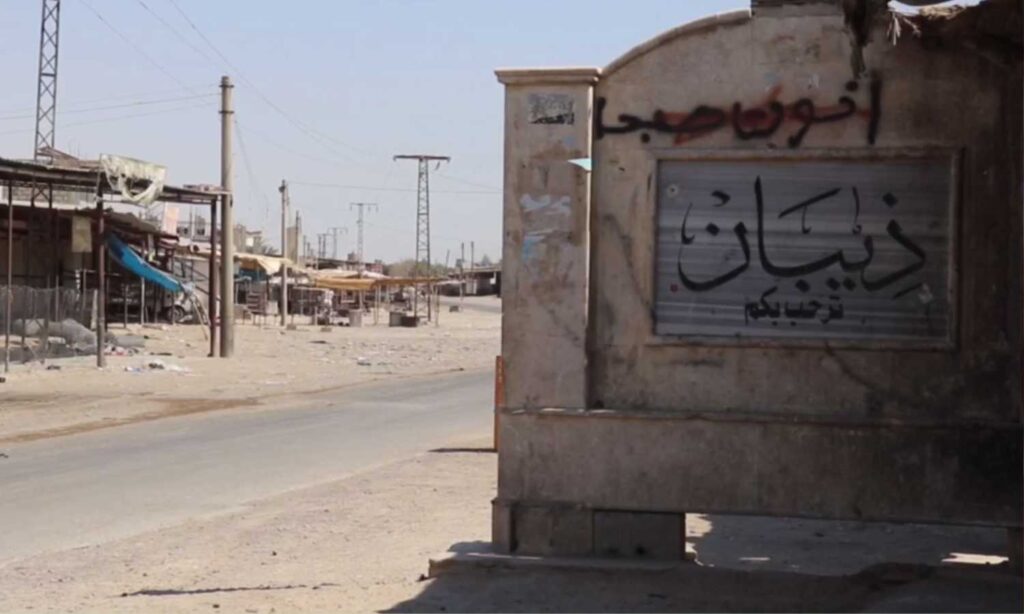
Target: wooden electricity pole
{"x": 284, "y": 251}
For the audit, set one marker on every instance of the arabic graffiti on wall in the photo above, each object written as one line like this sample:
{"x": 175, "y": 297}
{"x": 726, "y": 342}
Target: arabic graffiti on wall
{"x": 814, "y": 249}
{"x": 551, "y": 109}
{"x": 759, "y": 121}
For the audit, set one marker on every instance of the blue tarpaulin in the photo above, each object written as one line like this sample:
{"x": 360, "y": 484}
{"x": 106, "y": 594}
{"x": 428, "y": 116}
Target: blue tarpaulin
{"x": 127, "y": 258}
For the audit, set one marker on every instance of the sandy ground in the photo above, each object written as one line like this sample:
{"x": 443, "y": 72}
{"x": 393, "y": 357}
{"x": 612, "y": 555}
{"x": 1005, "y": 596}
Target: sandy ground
{"x": 362, "y": 544}
{"x": 271, "y": 365}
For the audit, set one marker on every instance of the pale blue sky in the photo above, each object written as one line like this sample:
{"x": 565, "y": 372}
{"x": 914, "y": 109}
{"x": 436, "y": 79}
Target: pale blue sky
{"x": 358, "y": 81}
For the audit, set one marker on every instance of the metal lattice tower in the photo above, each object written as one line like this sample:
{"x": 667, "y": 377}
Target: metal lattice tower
{"x": 422, "y": 263}
{"x": 46, "y": 95}
{"x": 362, "y": 207}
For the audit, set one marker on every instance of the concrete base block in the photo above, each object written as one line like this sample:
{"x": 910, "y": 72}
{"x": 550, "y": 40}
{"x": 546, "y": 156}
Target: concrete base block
{"x": 501, "y": 526}
{"x": 1015, "y": 548}
{"x": 562, "y": 530}
{"x": 640, "y": 535}
{"x": 553, "y": 530}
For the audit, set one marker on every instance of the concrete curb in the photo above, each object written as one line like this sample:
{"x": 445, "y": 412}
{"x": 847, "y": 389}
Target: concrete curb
{"x": 475, "y": 561}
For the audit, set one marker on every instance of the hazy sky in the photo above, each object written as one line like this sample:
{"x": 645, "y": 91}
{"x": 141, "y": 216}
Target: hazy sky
{"x": 353, "y": 83}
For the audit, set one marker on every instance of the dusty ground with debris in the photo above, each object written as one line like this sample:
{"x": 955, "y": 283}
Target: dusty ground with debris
{"x": 271, "y": 364}
{"x": 362, "y": 544}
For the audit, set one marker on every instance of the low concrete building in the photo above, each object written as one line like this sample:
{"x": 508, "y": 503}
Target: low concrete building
{"x": 768, "y": 262}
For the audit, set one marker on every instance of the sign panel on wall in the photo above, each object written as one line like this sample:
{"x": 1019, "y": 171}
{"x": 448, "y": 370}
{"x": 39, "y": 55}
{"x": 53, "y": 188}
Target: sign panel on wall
{"x": 806, "y": 249}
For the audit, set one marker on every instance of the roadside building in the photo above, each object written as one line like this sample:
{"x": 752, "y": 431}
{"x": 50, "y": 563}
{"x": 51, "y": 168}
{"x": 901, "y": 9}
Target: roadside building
{"x": 768, "y": 262}
{"x": 61, "y": 222}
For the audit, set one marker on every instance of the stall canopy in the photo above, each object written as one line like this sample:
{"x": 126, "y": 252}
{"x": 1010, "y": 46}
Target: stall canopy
{"x": 134, "y": 263}
{"x": 268, "y": 264}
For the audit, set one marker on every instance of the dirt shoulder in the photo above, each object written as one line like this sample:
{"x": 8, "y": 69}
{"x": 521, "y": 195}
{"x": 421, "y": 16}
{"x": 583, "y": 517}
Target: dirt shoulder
{"x": 357, "y": 544}
{"x": 362, "y": 544}
{"x": 173, "y": 376}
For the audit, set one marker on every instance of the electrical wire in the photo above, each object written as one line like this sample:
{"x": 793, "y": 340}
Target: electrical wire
{"x": 132, "y": 44}
{"x": 176, "y": 33}
{"x": 253, "y": 184}
{"x": 110, "y": 119}
{"x": 464, "y": 181}
{"x": 138, "y": 103}
{"x": 87, "y": 101}
{"x": 317, "y": 136}
{"x": 316, "y": 184}
{"x": 241, "y": 76}
{"x": 264, "y": 137}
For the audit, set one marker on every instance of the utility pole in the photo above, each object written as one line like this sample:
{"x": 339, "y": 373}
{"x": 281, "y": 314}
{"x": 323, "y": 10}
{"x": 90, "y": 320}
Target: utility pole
{"x": 422, "y": 221}
{"x": 472, "y": 249}
{"x": 462, "y": 275}
{"x": 362, "y": 207}
{"x": 321, "y": 247}
{"x": 334, "y": 239}
{"x": 227, "y": 254}
{"x": 284, "y": 251}
{"x": 301, "y": 244}
{"x": 46, "y": 92}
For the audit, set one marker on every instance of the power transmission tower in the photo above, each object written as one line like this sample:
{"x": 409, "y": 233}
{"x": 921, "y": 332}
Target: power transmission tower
{"x": 334, "y": 239}
{"x": 359, "y": 226}
{"x": 46, "y": 94}
{"x": 321, "y": 247}
{"x": 422, "y": 262}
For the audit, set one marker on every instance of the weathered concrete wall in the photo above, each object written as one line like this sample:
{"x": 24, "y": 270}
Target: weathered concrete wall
{"x": 928, "y": 99}
{"x": 861, "y": 430}
{"x": 546, "y": 250}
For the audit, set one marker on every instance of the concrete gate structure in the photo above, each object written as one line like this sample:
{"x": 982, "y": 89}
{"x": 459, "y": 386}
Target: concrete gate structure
{"x": 768, "y": 262}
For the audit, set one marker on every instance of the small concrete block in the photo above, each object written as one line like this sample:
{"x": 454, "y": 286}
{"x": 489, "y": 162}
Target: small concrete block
{"x": 326, "y": 329}
{"x": 555, "y": 530}
{"x": 291, "y": 327}
{"x": 501, "y": 526}
{"x": 484, "y": 559}
{"x": 1015, "y": 548}
{"x": 640, "y": 535}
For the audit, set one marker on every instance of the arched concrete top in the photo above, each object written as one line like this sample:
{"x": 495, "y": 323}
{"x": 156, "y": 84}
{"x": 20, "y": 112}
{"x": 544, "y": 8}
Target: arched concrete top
{"x": 705, "y": 23}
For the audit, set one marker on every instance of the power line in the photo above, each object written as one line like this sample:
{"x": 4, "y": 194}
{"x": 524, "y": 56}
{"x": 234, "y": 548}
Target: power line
{"x": 132, "y": 43}
{"x": 174, "y": 30}
{"x": 286, "y": 149}
{"x": 467, "y": 182}
{"x": 110, "y": 119}
{"x": 315, "y": 184}
{"x": 253, "y": 185}
{"x": 114, "y": 97}
{"x": 312, "y": 133}
{"x": 238, "y": 72}
{"x": 138, "y": 103}
{"x": 405, "y": 232}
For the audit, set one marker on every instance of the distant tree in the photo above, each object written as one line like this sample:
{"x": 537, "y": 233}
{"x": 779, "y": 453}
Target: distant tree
{"x": 485, "y": 261}
{"x": 402, "y": 268}
{"x": 409, "y": 268}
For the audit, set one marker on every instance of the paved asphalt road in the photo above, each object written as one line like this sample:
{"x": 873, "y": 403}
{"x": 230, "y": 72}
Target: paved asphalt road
{"x": 488, "y": 304}
{"x": 90, "y": 488}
